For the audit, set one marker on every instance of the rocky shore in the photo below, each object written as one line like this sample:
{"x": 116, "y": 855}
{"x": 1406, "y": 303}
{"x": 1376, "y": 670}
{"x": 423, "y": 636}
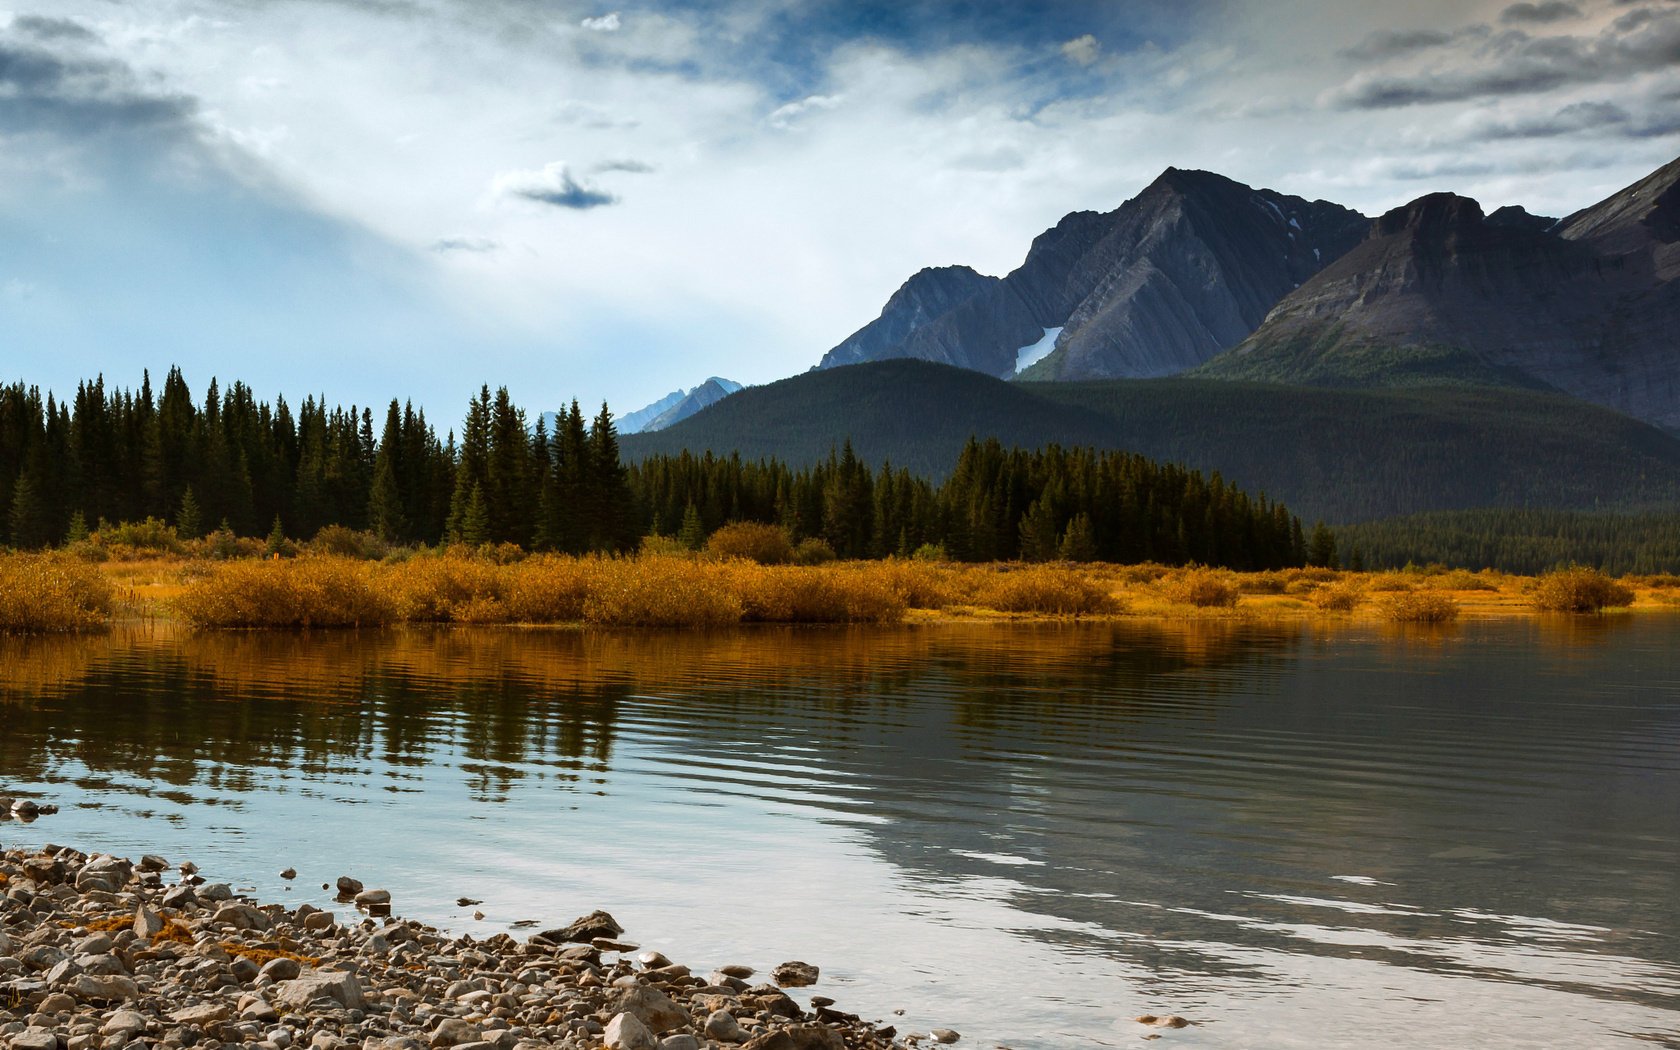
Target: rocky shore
{"x": 100, "y": 953}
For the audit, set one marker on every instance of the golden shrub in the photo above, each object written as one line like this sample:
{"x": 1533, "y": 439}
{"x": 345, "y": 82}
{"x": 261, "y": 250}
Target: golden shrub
{"x": 437, "y": 589}
{"x": 661, "y": 592}
{"x": 1578, "y": 589}
{"x": 1049, "y": 589}
{"x": 753, "y": 541}
{"x": 1342, "y": 596}
{"x": 1419, "y": 607}
{"x": 550, "y": 589}
{"x": 1389, "y": 582}
{"x": 1460, "y": 580}
{"x": 315, "y": 591}
{"x": 42, "y": 593}
{"x": 797, "y": 594}
{"x": 1202, "y": 587}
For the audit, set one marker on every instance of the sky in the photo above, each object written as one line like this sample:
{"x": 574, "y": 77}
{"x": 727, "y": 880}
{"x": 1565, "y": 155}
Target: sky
{"x": 407, "y": 198}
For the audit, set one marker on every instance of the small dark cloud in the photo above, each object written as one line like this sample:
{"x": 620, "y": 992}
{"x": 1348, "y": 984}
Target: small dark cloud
{"x": 632, "y": 167}
{"x": 478, "y": 245}
{"x": 1543, "y": 13}
{"x": 1577, "y": 117}
{"x": 554, "y": 185}
{"x": 42, "y": 27}
{"x": 1393, "y": 43}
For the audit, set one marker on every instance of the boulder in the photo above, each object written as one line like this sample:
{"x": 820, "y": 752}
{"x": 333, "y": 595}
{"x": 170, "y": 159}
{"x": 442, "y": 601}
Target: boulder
{"x": 370, "y": 897}
{"x": 452, "y": 1031}
{"x": 722, "y": 1026}
{"x": 38, "y": 1039}
{"x": 147, "y": 924}
{"x": 203, "y": 1015}
{"x": 342, "y": 988}
{"x": 794, "y": 975}
{"x": 348, "y": 887}
{"x": 241, "y": 916}
{"x": 595, "y": 924}
{"x": 281, "y": 969}
{"x": 125, "y": 1023}
{"x": 624, "y": 1032}
{"x": 651, "y": 1006}
{"x": 104, "y": 987}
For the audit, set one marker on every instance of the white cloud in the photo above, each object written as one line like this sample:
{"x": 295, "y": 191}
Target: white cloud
{"x": 784, "y": 116}
{"x": 1082, "y": 50}
{"x": 608, "y": 23}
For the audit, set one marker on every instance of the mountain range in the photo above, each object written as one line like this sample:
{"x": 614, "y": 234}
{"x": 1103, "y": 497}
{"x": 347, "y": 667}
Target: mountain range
{"x": 676, "y": 406}
{"x": 1199, "y": 273}
{"x": 1436, "y": 357}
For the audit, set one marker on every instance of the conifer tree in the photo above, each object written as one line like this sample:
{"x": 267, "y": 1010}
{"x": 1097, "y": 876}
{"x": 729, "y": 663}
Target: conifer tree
{"x": 692, "y": 534}
{"x": 189, "y": 519}
{"x": 1079, "y": 542}
{"x": 28, "y": 516}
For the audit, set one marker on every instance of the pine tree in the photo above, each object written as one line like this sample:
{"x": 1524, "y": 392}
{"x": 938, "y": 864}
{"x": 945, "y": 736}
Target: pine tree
{"x": 1079, "y": 542}
{"x": 692, "y": 534}
{"x": 1039, "y": 537}
{"x": 385, "y": 506}
{"x": 475, "y": 520}
{"x": 1321, "y": 549}
{"x": 77, "y": 531}
{"x": 28, "y": 518}
{"x": 189, "y": 520}
{"x": 276, "y": 544}
{"x": 614, "y": 524}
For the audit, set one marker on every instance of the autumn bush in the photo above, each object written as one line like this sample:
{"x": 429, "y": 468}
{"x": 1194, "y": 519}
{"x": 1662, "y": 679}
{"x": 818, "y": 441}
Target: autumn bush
{"x": 1049, "y": 589}
{"x": 798, "y": 594}
{"x": 42, "y": 593}
{"x": 661, "y": 592}
{"x": 314, "y": 591}
{"x": 1419, "y": 607}
{"x": 1578, "y": 589}
{"x": 1341, "y": 596}
{"x": 1200, "y": 586}
{"x": 753, "y": 541}
{"x": 1460, "y": 580}
{"x": 450, "y": 587}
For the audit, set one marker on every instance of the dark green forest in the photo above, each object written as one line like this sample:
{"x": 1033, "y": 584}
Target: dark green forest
{"x": 259, "y": 468}
{"x": 1519, "y": 540}
{"x": 1338, "y": 454}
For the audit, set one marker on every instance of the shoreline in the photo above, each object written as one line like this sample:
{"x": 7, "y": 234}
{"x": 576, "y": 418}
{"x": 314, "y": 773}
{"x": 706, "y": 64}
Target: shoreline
{"x": 66, "y": 595}
{"x": 100, "y": 953}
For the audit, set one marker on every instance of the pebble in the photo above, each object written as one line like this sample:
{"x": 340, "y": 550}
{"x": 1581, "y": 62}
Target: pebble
{"x": 172, "y": 968}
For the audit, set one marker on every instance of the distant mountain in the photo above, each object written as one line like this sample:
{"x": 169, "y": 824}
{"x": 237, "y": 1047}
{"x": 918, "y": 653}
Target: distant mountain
{"x": 1341, "y": 454}
{"x": 1186, "y": 269}
{"x": 676, "y": 406}
{"x": 1439, "y": 292}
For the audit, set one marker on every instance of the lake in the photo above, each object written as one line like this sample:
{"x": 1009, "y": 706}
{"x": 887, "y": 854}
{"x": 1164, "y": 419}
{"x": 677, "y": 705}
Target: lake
{"x": 1291, "y": 835}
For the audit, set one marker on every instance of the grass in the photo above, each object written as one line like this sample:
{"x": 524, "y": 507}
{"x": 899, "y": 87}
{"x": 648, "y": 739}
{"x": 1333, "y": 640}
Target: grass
{"x": 47, "y": 593}
{"x": 682, "y": 589}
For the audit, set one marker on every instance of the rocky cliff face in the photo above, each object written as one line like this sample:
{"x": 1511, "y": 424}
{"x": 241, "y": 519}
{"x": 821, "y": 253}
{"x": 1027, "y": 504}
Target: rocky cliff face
{"x": 1438, "y": 291}
{"x": 1170, "y": 278}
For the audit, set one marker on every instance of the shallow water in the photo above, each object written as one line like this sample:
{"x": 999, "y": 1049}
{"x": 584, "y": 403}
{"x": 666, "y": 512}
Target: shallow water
{"x": 1292, "y": 836}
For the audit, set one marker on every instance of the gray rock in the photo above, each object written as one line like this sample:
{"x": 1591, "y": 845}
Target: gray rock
{"x": 452, "y": 1031}
{"x": 215, "y": 892}
{"x": 722, "y": 1026}
{"x": 241, "y": 916}
{"x": 348, "y": 887}
{"x": 682, "y": 1041}
{"x": 794, "y": 975}
{"x": 57, "y": 1003}
{"x": 370, "y": 897}
{"x": 342, "y": 988}
{"x": 107, "y": 987}
{"x": 35, "y": 1039}
{"x": 945, "y": 1035}
{"x": 595, "y": 924}
{"x": 203, "y": 1015}
{"x": 624, "y": 1032}
{"x": 651, "y": 1006}
{"x": 152, "y": 862}
{"x": 125, "y": 1023}
{"x": 281, "y": 969}
{"x": 147, "y": 924}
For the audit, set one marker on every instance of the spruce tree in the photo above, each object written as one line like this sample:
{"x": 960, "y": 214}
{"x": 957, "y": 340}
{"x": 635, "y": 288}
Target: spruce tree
{"x": 189, "y": 519}
{"x": 1079, "y": 542}
{"x": 276, "y": 544}
{"x": 28, "y": 518}
{"x": 692, "y": 534}
{"x": 614, "y": 524}
{"x": 475, "y": 520}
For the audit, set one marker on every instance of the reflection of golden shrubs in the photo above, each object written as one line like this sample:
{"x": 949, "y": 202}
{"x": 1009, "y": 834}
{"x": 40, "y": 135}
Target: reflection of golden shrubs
{"x": 52, "y": 592}
{"x": 1578, "y": 589}
{"x": 754, "y": 541}
{"x": 304, "y": 592}
{"x": 1419, "y": 607}
{"x": 1202, "y": 587}
{"x": 1046, "y": 589}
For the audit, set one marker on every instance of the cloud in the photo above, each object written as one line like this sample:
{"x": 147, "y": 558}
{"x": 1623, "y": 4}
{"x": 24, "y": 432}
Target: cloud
{"x": 784, "y": 116}
{"x": 1389, "y": 43}
{"x": 628, "y": 166}
{"x": 477, "y": 245}
{"x": 68, "y": 96}
{"x": 607, "y": 23}
{"x": 1543, "y": 13}
{"x": 1515, "y": 63}
{"x": 42, "y": 27}
{"x": 552, "y": 184}
{"x": 1082, "y": 50}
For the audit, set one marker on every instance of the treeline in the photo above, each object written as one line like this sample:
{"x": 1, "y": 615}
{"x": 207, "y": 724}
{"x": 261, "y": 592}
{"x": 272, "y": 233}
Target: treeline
{"x": 997, "y": 505}
{"x": 1522, "y": 540}
{"x": 255, "y": 468}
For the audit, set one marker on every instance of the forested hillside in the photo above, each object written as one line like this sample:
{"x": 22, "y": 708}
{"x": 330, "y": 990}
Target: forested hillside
{"x": 1337, "y": 454}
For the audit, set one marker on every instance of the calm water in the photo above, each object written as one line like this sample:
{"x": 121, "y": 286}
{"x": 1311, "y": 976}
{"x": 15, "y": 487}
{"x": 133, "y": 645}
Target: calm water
{"x": 1294, "y": 837}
